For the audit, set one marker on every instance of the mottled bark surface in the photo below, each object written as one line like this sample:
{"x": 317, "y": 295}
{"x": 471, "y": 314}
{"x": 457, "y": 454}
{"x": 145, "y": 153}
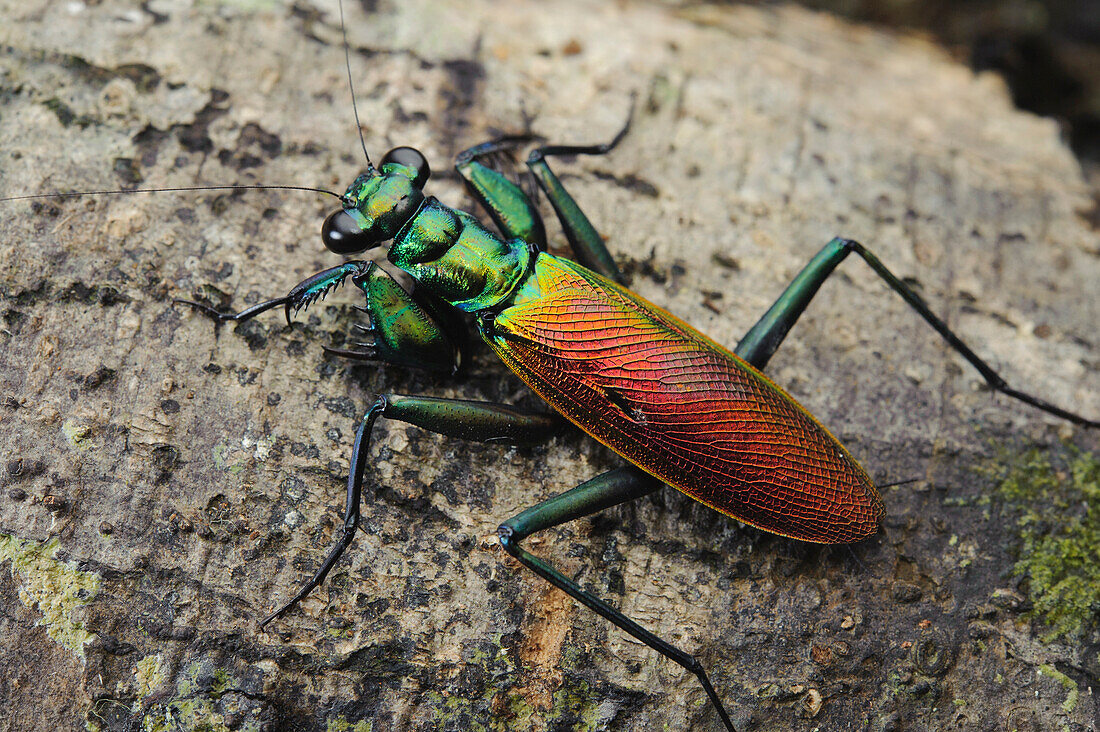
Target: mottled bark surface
{"x": 187, "y": 479}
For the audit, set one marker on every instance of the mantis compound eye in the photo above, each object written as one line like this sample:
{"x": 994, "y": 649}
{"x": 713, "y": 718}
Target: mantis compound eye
{"x": 342, "y": 234}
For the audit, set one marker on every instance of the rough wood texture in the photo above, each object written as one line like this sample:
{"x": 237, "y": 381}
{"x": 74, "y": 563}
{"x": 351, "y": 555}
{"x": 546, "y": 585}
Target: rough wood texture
{"x": 192, "y": 478}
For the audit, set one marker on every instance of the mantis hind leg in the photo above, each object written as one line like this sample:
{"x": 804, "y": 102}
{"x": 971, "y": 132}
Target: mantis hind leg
{"x": 604, "y": 491}
{"x": 764, "y": 338}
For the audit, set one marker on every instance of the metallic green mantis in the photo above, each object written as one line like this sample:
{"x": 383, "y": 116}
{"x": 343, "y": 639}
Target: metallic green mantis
{"x": 680, "y": 408}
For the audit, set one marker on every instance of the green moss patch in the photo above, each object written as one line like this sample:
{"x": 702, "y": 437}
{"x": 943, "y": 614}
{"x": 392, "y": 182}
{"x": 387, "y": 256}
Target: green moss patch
{"x": 1058, "y": 509}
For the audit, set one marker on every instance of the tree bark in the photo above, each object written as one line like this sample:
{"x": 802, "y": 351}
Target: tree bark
{"x": 167, "y": 482}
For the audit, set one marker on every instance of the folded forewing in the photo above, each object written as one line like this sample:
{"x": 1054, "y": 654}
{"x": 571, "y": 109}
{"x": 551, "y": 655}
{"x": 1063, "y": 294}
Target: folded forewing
{"x": 681, "y": 407}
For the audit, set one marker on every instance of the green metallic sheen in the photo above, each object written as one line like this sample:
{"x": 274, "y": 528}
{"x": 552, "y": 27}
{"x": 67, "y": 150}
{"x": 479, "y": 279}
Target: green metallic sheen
{"x": 469, "y": 420}
{"x": 458, "y": 259}
{"x": 510, "y": 208}
{"x": 383, "y": 203}
{"x": 320, "y": 285}
{"x": 447, "y": 251}
{"x": 406, "y": 331}
{"x": 586, "y": 242}
{"x": 405, "y": 171}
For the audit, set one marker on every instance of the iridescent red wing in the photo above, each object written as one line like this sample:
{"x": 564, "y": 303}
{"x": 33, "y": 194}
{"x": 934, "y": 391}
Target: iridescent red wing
{"x": 681, "y": 407}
